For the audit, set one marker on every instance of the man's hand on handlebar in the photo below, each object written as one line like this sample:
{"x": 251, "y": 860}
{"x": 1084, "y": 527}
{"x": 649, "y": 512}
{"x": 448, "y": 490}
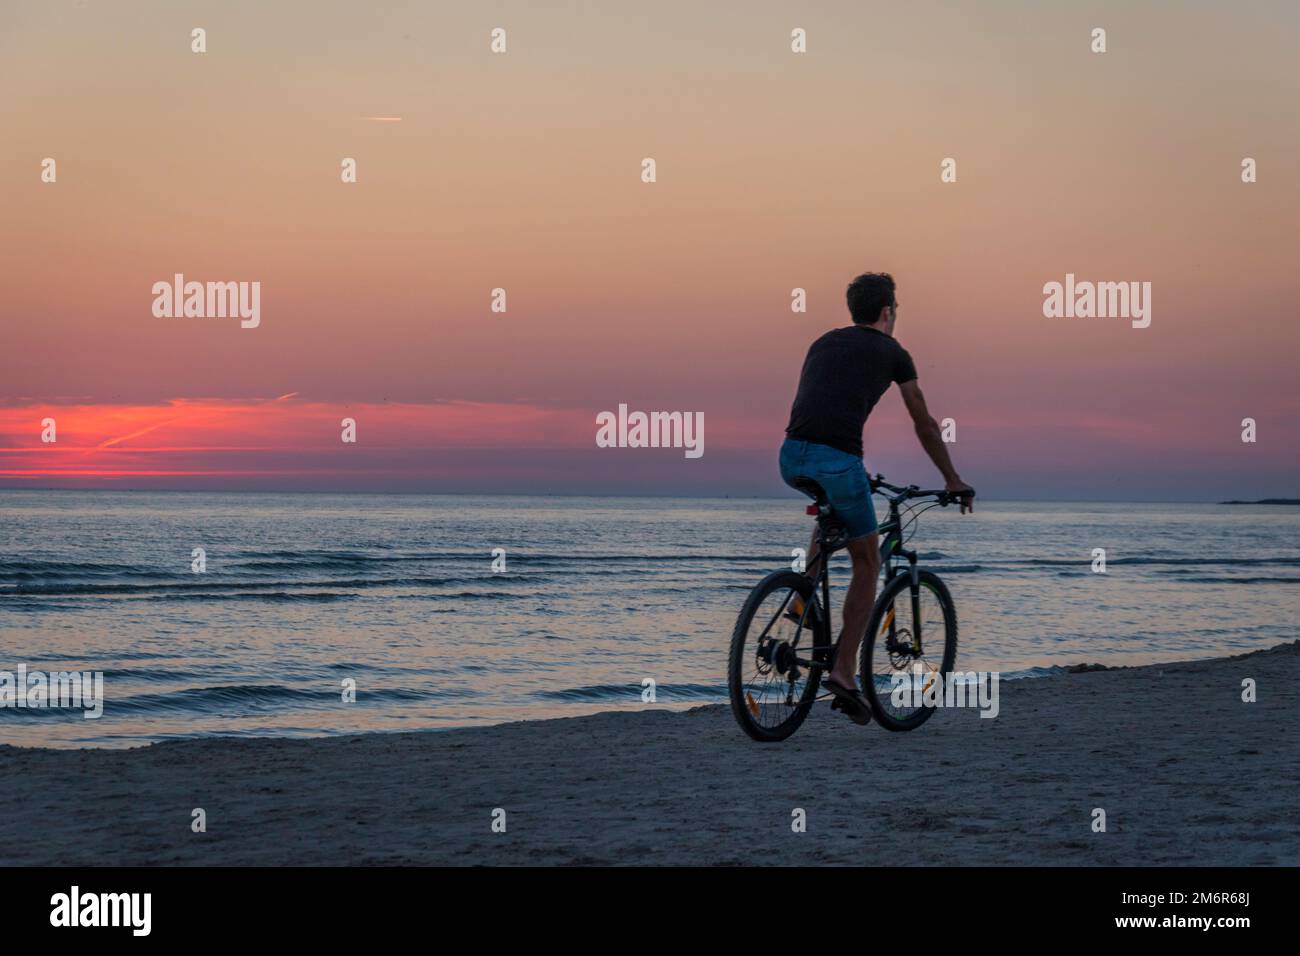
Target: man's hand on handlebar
{"x": 963, "y": 492}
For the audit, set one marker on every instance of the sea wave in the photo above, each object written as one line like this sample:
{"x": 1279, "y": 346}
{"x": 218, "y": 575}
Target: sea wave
{"x": 231, "y": 584}
{"x": 632, "y": 692}
{"x": 236, "y": 699}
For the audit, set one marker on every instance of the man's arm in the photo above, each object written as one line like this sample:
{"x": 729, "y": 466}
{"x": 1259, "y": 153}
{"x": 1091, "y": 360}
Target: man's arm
{"x": 931, "y": 438}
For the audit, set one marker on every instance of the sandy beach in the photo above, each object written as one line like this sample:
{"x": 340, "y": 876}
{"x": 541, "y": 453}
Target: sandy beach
{"x": 1186, "y": 772}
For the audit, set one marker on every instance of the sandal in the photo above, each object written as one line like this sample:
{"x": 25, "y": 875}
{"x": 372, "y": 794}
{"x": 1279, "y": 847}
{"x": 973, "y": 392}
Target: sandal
{"x": 850, "y": 702}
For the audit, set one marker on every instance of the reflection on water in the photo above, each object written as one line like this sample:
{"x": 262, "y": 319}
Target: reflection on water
{"x": 398, "y": 594}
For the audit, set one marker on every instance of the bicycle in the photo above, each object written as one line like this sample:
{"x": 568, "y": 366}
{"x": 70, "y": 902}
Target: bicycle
{"x": 898, "y": 640}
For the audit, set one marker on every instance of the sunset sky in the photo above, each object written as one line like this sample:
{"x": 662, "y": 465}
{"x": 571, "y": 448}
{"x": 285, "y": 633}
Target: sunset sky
{"x": 775, "y": 170}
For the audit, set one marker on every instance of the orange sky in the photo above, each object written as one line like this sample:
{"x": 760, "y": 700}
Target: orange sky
{"x": 775, "y": 170}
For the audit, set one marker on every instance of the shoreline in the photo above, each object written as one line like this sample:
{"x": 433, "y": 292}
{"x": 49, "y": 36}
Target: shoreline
{"x": 1186, "y": 772}
{"x": 1031, "y": 673}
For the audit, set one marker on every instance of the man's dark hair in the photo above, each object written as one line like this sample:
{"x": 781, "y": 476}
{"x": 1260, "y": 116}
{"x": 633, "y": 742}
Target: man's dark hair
{"x": 868, "y": 294}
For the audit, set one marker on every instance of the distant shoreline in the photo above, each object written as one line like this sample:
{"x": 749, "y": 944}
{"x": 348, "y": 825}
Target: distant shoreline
{"x": 1265, "y": 501}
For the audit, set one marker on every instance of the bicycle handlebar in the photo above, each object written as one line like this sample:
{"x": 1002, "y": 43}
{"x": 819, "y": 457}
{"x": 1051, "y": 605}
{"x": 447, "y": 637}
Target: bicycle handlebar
{"x": 944, "y": 496}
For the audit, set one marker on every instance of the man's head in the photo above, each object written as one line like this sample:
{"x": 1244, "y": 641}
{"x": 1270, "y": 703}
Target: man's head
{"x": 872, "y": 302}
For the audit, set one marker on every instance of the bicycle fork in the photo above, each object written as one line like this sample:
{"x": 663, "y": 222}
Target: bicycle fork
{"x": 914, "y": 592}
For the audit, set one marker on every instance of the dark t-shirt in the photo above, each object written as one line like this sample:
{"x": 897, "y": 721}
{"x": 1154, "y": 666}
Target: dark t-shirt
{"x": 844, "y": 375}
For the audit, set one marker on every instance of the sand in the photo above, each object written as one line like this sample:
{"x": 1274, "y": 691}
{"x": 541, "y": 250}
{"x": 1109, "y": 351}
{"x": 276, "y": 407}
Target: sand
{"x": 1186, "y": 772}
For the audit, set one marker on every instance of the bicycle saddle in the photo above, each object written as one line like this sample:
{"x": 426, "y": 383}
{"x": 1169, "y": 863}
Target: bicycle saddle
{"x": 812, "y": 489}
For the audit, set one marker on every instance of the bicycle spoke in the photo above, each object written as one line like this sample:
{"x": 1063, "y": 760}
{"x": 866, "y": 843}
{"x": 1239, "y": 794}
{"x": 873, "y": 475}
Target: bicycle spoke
{"x": 779, "y": 611}
{"x": 894, "y": 660}
{"x": 774, "y": 679}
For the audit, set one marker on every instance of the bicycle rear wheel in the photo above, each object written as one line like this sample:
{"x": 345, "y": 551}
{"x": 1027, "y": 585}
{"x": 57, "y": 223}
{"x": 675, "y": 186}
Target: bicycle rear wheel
{"x": 776, "y": 663}
{"x": 911, "y": 638}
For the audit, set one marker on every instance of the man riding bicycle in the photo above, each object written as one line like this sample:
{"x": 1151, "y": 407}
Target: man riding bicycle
{"x": 844, "y": 374}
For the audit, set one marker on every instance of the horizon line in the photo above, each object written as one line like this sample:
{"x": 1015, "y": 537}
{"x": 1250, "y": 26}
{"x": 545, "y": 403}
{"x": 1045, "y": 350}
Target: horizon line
{"x": 570, "y": 494}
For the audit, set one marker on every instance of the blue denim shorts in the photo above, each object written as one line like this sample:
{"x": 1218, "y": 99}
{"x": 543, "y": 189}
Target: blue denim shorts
{"x": 842, "y": 475}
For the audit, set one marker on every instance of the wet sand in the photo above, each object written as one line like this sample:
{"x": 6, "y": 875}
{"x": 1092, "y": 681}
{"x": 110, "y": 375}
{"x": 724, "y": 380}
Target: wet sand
{"x": 1186, "y": 772}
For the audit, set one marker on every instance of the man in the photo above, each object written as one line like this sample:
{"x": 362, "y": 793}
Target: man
{"x": 844, "y": 375}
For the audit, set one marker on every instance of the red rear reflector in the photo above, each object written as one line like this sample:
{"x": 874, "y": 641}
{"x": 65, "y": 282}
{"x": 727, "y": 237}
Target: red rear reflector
{"x": 810, "y": 510}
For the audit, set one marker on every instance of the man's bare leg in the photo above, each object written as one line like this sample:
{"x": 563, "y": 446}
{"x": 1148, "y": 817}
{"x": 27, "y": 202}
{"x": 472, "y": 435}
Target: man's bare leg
{"x": 865, "y": 553}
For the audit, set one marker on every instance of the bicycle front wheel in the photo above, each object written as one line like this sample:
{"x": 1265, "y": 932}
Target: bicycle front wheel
{"x": 911, "y": 642}
{"x": 777, "y": 657}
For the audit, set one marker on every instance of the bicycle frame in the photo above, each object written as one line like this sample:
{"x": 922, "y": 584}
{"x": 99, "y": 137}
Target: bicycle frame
{"x": 785, "y": 669}
{"x": 891, "y": 552}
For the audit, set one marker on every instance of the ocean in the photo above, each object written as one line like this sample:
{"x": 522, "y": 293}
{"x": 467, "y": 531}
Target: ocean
{"x": 401, "y": 598}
